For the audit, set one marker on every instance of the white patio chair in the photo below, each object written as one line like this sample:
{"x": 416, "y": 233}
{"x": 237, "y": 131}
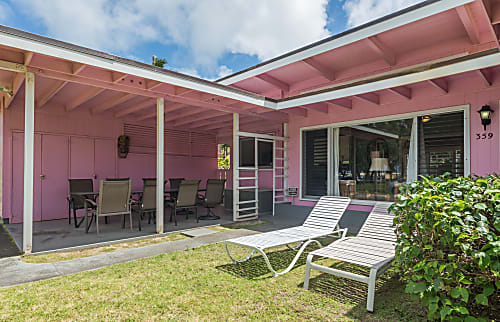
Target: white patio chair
{"x": 373, "y": 247}
{"x": 321, "y": 222}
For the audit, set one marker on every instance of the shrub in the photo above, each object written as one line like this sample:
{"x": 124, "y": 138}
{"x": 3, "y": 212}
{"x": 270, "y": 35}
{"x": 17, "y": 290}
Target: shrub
{"x": 448, "y": 245}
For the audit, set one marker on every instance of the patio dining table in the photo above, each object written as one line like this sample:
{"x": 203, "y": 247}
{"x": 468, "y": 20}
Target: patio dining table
{"x": 95, "y": 193}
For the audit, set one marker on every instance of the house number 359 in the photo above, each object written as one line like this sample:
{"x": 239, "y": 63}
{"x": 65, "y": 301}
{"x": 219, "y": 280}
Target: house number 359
{"x": 484, "y": 136}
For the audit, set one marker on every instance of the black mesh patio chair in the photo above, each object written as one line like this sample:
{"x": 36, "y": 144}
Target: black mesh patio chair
{"x": 214, "y": 196}
{"x": 174, "y": 185}
{"x": 146, "y": 204}
{"x": 114, "y": 199}
{"x": 187, "y": 198}
{"x": 76, "y": 202}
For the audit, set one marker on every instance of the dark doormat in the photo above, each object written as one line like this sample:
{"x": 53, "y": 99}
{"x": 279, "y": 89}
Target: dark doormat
{"x": 7, "y": 246}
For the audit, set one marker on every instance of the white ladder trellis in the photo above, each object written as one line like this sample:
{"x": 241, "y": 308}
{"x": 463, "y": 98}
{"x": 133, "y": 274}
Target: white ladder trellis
{"x": 249, "y": 209}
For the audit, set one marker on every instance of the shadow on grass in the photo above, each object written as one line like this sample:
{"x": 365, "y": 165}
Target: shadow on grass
{"x": 256, "y": 268}
{"x": 390, "y": 300}
{"x": 345, "y": 290}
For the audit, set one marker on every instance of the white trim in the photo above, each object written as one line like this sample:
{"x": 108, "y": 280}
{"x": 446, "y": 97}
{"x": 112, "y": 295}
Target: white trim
{"x": 461, "y": 67}
{"x": 467, "y": 141}
{"x": 393, "y": 117}
{"x": 336, "y": 157}
{"x": 330, "y": 150}
{"x": 375, "y": 131}
{"x": 271, "y": 138}
{"x": 29, "y": 137}
{"x": 392, "y": 23}
{"x": 101, "y": 62}
{"x": 412, "y": 115}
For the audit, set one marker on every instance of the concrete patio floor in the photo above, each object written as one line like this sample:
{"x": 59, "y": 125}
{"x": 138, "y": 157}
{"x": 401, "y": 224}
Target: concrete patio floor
{"x": 58, "y": 234}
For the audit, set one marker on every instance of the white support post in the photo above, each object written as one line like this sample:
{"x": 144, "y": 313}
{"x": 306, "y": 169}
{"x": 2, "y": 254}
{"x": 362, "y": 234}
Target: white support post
{"x": 285, "y": 162}
{"x": 2, "y": 109}
{"x": 256, "y": 172}
{"x": 236, "y": 164}
{"x": 29, "y": 136}
{"x": 160, "y": 137}
{"x": 274, "y": 178}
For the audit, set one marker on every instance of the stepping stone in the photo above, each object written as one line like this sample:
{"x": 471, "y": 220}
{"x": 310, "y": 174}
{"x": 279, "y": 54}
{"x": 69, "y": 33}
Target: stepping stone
{"x": 197, "y": 232}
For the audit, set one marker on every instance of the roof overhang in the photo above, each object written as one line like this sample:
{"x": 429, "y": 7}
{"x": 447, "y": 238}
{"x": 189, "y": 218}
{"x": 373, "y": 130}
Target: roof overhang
{"x": 399, "y": 19}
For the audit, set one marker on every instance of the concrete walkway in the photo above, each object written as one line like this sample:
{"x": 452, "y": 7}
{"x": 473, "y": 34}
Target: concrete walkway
{"x": 13, "y": 271}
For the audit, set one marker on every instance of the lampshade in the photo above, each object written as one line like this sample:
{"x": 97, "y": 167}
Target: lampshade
{"x": 379, "y": 164}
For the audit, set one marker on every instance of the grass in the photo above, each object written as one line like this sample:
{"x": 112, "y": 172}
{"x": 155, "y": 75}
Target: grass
{"x": 64, "y": 256}
{"x": 201, "y": 284}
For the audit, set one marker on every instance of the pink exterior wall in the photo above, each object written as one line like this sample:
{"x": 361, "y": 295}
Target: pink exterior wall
{"x": 463, "y": 90}
{"x": 78, "y": 145}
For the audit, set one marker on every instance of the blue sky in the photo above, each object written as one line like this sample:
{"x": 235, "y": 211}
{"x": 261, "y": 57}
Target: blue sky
{"x": 205, "y": 38}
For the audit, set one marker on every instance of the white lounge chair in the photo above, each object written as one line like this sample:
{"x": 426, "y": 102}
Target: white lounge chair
{"x": 321, "y": 222}
{"x": 373, "y": 247}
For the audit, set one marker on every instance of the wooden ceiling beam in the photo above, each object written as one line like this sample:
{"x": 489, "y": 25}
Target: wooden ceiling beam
{"x": 382, "y": 50}
{"x": 465, "y": 15}
{"x": 322, "y": 70}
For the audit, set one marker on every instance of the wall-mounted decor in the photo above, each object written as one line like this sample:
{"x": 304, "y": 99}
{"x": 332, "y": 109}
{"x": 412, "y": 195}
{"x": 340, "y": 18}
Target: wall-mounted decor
{"x": 123, "y": 146}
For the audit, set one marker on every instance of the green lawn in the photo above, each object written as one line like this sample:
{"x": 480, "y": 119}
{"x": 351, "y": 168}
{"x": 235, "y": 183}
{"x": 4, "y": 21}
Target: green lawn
{"x": 86, "y": 252}
{"x": 201, "y": 284}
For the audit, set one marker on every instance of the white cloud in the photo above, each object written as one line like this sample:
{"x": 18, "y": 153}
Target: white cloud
{"x": 207, "y": 28}
{"x": 362, "y": 11}
{"x": 5, "y": 12}
{"x": 223, "y": 71}
{"x": 188, "y": 71}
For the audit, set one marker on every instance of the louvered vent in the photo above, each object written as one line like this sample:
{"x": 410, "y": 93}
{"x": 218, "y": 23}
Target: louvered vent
{"x": 177, "y": 142}
{"x": 203, "y": 145}
{"x": 140, "y": 136}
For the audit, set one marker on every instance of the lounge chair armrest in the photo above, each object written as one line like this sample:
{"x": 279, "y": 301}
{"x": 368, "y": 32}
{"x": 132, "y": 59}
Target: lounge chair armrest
{"x": 91, "y": 202}
{"x": 343, "y": 230}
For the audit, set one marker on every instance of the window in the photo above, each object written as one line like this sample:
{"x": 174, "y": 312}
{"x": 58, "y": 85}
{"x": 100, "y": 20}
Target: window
{"x": 315, "y": 162}
{"x": 247, "y": 153}
{"x": 441, "y": 144}
{"x": 373, "y": 160}
{"x": 223, "y": 157}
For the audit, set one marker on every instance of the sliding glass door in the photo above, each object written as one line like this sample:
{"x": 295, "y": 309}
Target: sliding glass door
{"x": 371, "y": 161}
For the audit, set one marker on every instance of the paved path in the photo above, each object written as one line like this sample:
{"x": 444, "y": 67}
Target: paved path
{"x": 13, "y": 271}
{"x": 7, "y": 246}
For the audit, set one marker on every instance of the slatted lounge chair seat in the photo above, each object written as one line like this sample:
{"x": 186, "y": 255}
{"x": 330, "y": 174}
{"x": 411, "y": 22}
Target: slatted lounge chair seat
{"x": 374, "y": 247}
{"x": 322, "y": 221}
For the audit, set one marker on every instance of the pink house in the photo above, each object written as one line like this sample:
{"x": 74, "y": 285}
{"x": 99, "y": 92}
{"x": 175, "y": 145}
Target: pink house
{"x": 357, "y": 114}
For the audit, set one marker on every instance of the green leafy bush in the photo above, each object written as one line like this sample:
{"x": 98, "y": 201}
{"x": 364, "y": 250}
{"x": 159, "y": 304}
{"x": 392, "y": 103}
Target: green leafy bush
{"x": 448, "y": 245}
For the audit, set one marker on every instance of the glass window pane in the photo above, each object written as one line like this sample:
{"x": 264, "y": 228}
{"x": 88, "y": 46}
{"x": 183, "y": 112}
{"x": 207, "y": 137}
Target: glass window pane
{"x": 441, "y": 144}
{"x": 373, "y": 159}
{"x": 315, "y": 162}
